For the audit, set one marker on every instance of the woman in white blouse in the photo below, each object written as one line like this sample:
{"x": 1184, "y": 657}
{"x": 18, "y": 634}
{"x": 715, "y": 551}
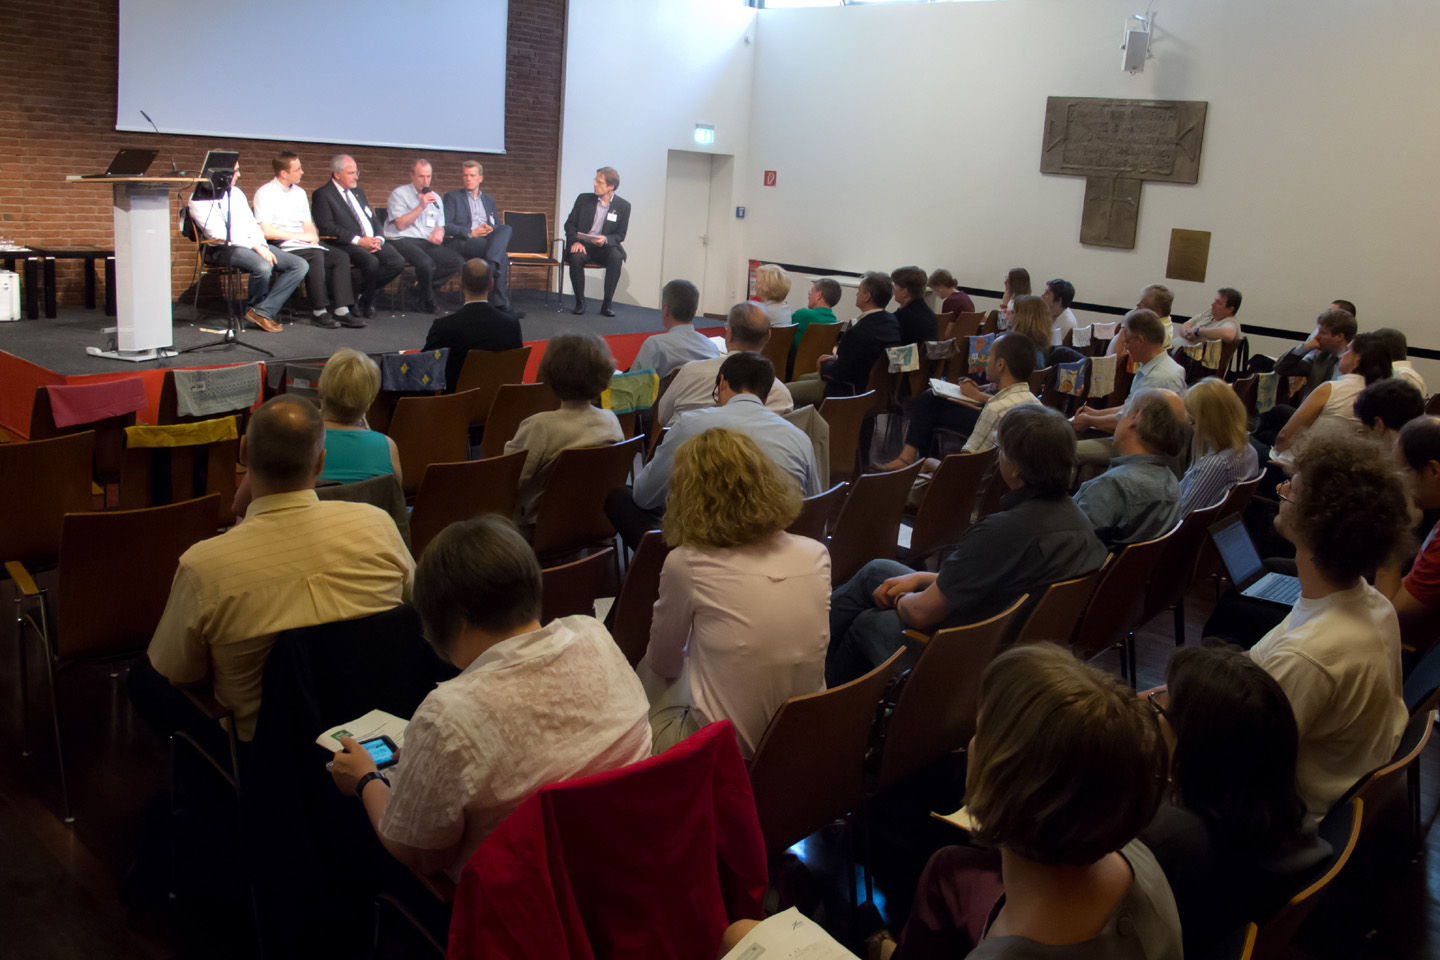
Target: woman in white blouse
{"x": 742, "y": 623}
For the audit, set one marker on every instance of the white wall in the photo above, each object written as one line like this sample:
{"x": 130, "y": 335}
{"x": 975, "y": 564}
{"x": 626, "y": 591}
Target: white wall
{"x": 639, "y": 75}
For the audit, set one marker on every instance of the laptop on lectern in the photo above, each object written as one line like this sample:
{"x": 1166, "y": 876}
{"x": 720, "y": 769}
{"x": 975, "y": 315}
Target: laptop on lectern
{"x": 127, "y": 163}
{"x": 1246, "y": 571}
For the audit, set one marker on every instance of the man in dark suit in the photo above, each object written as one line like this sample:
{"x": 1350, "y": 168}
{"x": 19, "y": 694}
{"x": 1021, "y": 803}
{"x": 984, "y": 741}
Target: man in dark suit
{"x": 341, "y": 211}
{"x": 847, "y": 371}
{"x": 475, "y": 326}
{"x": 593, "y": 234}
{"x": 473, "y": 229}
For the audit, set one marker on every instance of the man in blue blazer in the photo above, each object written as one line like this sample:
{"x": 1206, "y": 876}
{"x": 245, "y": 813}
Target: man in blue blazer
{"x": 593, "y": 234}
{"x": 473, "y": 230}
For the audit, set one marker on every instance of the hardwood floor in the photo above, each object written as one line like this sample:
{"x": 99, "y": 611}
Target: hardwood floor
{"x": 61, "y": 885}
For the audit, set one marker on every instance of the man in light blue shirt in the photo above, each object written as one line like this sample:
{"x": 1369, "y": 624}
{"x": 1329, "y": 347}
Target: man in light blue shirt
{"x": 681, "y": 342}
{"x": 744, "y": 379}
{"x": 415, "y": 226}
{"x": 1138, "y": 498}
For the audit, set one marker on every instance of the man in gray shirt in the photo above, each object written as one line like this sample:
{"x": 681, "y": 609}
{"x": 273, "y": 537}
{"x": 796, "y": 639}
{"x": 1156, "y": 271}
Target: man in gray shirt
{"x": 415, "y": 226}
{"x": 1138, "y": 498}
{"x": 681, "y": 342}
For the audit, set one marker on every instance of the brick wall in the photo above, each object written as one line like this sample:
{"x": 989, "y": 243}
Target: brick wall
{"x": 58, "y": 70}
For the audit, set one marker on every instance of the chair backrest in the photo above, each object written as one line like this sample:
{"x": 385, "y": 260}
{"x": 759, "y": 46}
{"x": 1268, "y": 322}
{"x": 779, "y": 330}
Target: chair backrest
{"x": 1042, "y": 380}
{"x": 935, "y": 711}
{"x": 942, "y": 325}
{"x": 572, "y": 588}
{"x": 167, "y": 411}
{"x": 634, "y": 608}
{"x": 816, "y": 512}
{"x": 151, "y": 476}
{"x": 486, "y": 370}
{"x": 1170, "y": 577}
{"x": 529, "y": 233}
{"x": 809, "y": 767}
{"x": 1378, "y": 786}
{"x": 1057, "y": 613}
{"x": 458, "y": 491}
{"x": 817, "y": 340}
{"x": 869, "y": 522}
{"x": 115, "y": 573}
{"x": 1247, "y": 389}
{"x": 1207, "y": 556}
{"x": 1119, "y": 598}
{"x": 995, "y": 490}
{"x": 1342, "y": 830}
{"x": 432, "y": 430}
{"x": 109, "y": 434}
{"x": 845, "y": 417}
{"x": 777, "y": 348}
{"x": 571, "y": 511}
{"x": 512, "y": 404}
{"x": 1432, "y": 404}
{"x": 40, "y": 482}
{"x": 950, "y": 501}
{"x": 967, "y": 325}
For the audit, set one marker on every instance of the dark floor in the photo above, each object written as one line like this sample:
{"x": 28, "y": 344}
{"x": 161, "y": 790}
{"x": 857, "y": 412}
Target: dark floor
{"x": 59, "y": 344}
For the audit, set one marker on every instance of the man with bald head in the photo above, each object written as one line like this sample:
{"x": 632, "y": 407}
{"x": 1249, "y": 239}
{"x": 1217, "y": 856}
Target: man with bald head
{"x": 1138, "y": 498}
{"x": 746, "y": 329}
{"x": 293, "y": 561}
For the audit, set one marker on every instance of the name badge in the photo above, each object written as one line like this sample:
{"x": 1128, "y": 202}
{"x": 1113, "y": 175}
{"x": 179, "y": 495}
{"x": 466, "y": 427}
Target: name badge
{"x": 612, "y": 217}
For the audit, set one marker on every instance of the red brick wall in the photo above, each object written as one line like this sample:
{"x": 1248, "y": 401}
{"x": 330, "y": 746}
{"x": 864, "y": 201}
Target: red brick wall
{"x": 57, "y": 117}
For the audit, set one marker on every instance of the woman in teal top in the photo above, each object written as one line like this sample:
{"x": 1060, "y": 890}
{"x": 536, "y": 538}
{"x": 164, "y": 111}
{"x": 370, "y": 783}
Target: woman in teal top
{"x": 348, "y": 385}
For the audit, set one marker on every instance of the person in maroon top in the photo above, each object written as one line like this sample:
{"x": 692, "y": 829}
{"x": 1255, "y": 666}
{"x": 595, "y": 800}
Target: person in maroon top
{"x": 1416, "y": 596}
{"x": 953, "y": 300}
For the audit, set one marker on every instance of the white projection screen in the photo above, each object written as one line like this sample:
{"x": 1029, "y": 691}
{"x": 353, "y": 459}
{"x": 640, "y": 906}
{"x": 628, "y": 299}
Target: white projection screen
{"x": 386, "y": 73}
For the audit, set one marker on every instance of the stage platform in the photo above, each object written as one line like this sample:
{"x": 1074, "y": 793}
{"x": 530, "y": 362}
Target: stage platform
{"x": 44, "y": 352}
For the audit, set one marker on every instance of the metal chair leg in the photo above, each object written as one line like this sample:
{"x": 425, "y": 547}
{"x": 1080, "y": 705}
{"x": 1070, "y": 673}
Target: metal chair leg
{"x": 55, "y": 720}
{"x": 1180, "y": 622}
{"x": 24, "y": 682}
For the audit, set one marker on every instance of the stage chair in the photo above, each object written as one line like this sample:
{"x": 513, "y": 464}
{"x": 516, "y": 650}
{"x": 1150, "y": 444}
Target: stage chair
{"x": 817, "y": 512}
{"x": 949, "y": 503}
{"x": 102, "y": 612}
{"x": 846, "y": 418}
{"x": 869, "y": 522}
{"x": 634, "y": 608}
{"x": 571, "y": 589}
{"x": 434, "y": 429}
{"x": 513, "y": 404}
{"x": 486, "y": 370}
{"x": 230, "y": 277}
{"x": 533, "y": 246}
{"x": 450, "y": 492}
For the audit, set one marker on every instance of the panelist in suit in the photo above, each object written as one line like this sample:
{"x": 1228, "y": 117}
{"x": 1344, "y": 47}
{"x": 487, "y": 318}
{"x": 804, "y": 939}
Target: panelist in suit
{"x": 417, "y": 229}
{"x": 602, "y": 218}
{"x": 475, "y": 326}
{"x": 341, "y": 211}
{"x": 283, "y": 212}
{"x": 473, "y": 229}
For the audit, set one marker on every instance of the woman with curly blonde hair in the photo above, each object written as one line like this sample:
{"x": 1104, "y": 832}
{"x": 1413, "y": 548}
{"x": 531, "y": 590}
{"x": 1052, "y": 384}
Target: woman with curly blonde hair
{"x": 741, "y": 624}
{"x": 772, "y": 286}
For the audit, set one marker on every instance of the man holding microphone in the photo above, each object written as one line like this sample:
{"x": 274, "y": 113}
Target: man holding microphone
{"x": 416, "y": 228}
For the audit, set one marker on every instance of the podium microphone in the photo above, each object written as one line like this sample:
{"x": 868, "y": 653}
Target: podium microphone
{"x": 174, "y": 171}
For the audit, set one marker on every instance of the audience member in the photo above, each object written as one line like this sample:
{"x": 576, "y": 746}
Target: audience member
{"x": 1387, "y": 405}
{"x": 846, "y": 372}
{"x": 577, "y": 367}
{"x": 1058, "y": 295}
{"x": 342, "y": 212}
{"x": 1337, "y": 653}
{"x": 1365, "y": 361}
{"x": 476, "y": 326}
{"x": 819, "y": 308}
{"x": 746, "y": 330}
{"x": 1233, "y": 839}
{"x": 293, "y": 561}
{"x": 237, "y": 241}
{"x": 1316, "y": 358}
{"x": 1143, "y": 338}
{"x": 679, "y": 344}
{"x": 1416, "y": 596}
{"x": 283, "y": 213}
{"x": 1017, "y": 284}
{"x": 740, "y": 625}
{"x": 1031, "y": 319}
{"x": 743, "y": 378}
{"x": 349, "y": 383}
{"x": 416, "y": 228}
{"x": 1221, "y": 455}
{"x": 1215, "y": 322}
{"x": 1038, "y": 538}
{"x": 1065, "y": 769}
{"x": 772, "y": 286}
{"x": 1138, "y": 498}
{"x": 1158, "y": 299}
{"x": 1011, "y": 361}
{"x": 1399, "y": 349}
{"x": 913, "y": 315}
{"x": 532, "y": 706}
{"x": 594, "y": 234}
{"x": 953, "y": 300}
{"x": 473, "y": 229}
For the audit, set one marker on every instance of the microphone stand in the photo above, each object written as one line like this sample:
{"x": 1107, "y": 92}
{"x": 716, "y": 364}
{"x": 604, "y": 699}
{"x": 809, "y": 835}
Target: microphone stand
{"x": 221, "y": 181}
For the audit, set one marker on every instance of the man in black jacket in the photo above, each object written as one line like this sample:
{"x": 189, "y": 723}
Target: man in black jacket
{"x": 593, "y": 234}
{"x": 847, "y": 371}
{"x": 341, "y": 211}
{"x": 475, "y": 326}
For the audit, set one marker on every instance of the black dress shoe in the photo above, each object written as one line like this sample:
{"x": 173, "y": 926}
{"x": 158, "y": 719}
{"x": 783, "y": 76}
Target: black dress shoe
{"x": 351, "y": 320}
{"x": 325, "y": 320}
{"x": 606, "y": 310}
{"x": 579, "y": 307}
{"x": 367, "y": 310}
{"x": 429, "y": 306}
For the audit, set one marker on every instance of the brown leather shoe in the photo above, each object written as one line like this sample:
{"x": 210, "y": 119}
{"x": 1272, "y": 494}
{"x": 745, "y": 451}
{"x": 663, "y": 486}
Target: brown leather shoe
{"x": 257, "y": 319}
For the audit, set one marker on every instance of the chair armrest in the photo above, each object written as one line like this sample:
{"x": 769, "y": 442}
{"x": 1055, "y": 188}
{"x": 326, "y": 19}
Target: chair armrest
{"x": 206, "y": 703}
{"x": 23, "y": 581}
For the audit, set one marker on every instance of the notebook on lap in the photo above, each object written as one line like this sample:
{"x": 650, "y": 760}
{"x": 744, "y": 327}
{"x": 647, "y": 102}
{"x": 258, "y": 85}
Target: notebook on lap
{"x": 1245, "y": 569}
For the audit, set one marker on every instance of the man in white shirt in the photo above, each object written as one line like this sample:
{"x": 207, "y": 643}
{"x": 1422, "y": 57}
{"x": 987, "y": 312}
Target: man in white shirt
{"x": 283, "y": 212}
{"x": 341, "y": 211}
{"x": 416, "y": 227}
{"x": 746, "y": 329}
{"x": 680, "y": 343}
{"x": 1058, "y": 296}
{"x": 274, "y": 273}
{"x": 1400, "y": 364}
{"x": 1217, "y": 322}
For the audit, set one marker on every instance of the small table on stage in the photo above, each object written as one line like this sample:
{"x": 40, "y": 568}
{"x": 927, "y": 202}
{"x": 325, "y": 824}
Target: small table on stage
{"x": 48, "y": 255}
{"x": 142, "y": 266}
{"x": 31, "y": 305}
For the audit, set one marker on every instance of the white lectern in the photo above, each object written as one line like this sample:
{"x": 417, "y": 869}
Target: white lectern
{"x": 144, "y": 322}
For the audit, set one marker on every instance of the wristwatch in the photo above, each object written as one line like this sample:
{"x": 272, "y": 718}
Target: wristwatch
{"x": 364, "y": 782}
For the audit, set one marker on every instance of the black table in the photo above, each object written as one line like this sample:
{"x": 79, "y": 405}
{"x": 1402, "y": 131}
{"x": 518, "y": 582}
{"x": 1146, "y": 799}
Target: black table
{"x": 47, "y": 257}
{"x": 28, "y": 280}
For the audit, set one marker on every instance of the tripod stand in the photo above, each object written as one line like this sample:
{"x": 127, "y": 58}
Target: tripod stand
{"x": 218, "y": 185}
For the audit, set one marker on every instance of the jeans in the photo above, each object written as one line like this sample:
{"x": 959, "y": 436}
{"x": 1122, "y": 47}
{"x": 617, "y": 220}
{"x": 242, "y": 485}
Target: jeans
{"x": 862, "y": 636}
{"x": 270, "y": 285}
{"x": 493, "y": 249}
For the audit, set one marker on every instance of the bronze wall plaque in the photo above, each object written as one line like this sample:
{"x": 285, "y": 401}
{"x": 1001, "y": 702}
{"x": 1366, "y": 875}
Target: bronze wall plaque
{"x": 1189, "y": 255}
{"x": 1117, "y": 145}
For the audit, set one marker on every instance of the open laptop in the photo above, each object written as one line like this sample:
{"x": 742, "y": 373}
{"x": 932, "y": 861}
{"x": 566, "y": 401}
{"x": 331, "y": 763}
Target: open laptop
{"x": 127, "y": 163}
{"x": 1243, "y": 564}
